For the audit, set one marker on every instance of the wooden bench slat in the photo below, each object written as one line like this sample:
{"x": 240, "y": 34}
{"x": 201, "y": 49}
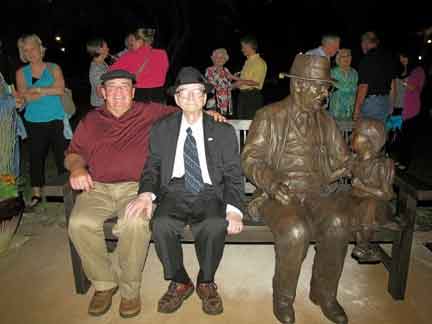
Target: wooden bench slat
{"x": 54, "y": 185}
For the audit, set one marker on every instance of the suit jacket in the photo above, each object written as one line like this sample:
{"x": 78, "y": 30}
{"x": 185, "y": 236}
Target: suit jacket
{"x": 222, "y": 155}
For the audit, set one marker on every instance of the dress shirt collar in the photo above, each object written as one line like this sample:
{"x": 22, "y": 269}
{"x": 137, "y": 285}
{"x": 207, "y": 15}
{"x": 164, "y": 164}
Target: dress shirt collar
{"x": 197, "y": 127}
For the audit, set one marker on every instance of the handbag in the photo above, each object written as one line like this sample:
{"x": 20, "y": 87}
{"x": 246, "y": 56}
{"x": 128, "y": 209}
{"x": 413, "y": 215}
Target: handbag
{"x": 66, "y": 99}
{"x": 68, "y": 103}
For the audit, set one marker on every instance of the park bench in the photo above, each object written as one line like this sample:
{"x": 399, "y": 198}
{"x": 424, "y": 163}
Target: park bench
{"x": 256, "y": 231}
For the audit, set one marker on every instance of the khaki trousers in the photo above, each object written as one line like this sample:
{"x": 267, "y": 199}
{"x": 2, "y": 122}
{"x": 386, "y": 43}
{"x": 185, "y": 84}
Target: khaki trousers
{"x": 125, "y": 267}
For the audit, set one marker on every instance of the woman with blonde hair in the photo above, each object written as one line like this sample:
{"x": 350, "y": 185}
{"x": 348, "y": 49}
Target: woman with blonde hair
{"x": 41, "y": 84}
{"x": 342, "y": 99}
{"x": 150, "y": 66}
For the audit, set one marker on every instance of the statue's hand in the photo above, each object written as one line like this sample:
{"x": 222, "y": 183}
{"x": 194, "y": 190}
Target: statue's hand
{"x": 357, "y": 183}
{"x": 280, "y": 192}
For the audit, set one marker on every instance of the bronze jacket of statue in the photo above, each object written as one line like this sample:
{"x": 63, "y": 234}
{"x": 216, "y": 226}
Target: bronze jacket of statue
{"x": 374, "y": 178}
{"x": 284, "y": 145}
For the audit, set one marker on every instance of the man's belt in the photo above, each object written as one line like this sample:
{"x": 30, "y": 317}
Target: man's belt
{"x": 377, "y": 95}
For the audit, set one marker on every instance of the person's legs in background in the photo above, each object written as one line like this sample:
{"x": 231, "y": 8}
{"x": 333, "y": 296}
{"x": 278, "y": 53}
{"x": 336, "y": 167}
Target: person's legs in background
{"x": 38, "y": 148}
{"x": 408, "y": 139}
{"x": 376, "y": 107}
{"x": 58, "y": 144}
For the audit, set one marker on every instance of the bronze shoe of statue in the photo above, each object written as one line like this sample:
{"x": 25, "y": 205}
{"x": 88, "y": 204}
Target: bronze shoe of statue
{"x": 283, "y": 310}
{"x": 331, "y": 309}
{"x": 283, "y": 306}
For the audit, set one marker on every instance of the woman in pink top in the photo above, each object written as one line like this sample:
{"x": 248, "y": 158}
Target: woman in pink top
{"x": 150, "y": 65}
{"x": 411, "y": 108}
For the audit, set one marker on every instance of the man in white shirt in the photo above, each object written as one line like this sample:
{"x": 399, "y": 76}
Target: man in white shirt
{"x": 194, "y": 173}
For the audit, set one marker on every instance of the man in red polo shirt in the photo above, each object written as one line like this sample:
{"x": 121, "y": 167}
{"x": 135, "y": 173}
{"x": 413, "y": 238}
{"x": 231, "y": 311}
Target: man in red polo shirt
{"x": 105, "y": 159}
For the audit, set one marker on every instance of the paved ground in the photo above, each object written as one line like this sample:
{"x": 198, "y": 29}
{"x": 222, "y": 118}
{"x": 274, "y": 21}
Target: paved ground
{"x": 37, "y": 285}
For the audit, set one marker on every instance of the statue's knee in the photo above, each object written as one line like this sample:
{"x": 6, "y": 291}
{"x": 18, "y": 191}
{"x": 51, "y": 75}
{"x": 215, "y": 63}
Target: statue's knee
{"x": 337, "y": 225}
{"x": 293, "y": 234}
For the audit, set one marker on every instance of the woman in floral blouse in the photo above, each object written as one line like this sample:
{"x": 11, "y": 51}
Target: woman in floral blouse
{"x": 342, "y": 98}
{"x": 220, "y": 77}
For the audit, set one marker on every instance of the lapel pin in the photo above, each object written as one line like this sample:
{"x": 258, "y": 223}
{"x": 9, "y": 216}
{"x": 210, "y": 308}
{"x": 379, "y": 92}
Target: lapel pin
{"x": 210, "y": 139}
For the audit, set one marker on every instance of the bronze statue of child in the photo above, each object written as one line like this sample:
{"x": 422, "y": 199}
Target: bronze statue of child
{"x": 372, "y": 190}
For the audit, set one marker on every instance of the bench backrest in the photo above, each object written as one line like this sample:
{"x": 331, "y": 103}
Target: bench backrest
{"x": 241, "y": 127}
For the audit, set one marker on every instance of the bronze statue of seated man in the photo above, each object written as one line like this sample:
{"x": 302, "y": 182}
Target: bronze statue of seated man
{"x": 294, "y": 153}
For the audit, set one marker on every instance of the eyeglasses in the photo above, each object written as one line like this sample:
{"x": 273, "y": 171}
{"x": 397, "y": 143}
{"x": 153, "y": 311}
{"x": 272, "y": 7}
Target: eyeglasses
{"x": 186, "y": 93}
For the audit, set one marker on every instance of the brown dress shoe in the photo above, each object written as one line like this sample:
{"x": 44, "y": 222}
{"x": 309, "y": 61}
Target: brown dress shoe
{"x": 174, "y": 297}
{"x": 211, "y": 301}
{"x": 101, "y": 301}
{"x": 130, "y": 307}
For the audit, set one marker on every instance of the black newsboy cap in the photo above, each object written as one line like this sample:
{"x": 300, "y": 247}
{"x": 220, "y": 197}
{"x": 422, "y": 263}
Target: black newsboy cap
{"x": 118, "y": 74}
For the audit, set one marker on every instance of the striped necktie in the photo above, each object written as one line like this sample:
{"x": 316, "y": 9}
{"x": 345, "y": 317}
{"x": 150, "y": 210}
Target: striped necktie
{"x": 193, "y": 177}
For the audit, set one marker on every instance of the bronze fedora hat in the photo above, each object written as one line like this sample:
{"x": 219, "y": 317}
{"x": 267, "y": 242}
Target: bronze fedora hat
{"x": 310, "y": 67}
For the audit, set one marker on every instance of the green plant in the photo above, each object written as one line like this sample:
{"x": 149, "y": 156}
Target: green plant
{"x": 8, "y": 187}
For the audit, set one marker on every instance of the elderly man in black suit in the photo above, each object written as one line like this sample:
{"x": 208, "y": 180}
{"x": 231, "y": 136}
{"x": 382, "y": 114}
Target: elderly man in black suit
{"x": 194, "y": 173}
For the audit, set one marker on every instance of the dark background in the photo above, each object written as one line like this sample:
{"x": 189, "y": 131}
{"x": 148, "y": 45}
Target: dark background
{"x": 190, "y": 29}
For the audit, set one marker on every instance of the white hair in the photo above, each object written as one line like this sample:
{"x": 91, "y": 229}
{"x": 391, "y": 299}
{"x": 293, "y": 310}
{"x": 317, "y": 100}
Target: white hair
{"x": 222, "y": 51}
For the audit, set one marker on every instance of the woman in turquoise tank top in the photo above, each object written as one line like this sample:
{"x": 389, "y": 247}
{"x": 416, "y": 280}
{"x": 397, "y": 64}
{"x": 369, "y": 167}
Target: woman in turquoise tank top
{"x": 41, "y": 84}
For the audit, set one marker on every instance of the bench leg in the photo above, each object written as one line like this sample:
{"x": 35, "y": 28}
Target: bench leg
{"x": 401, "y": 250}
{"x": 82, "y": 284}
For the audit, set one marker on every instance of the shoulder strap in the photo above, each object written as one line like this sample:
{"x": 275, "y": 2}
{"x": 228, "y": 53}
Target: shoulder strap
{"x": 50, "y": 67}
{"x": 147, "y": 58}
{"x": 26, "y": 71}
